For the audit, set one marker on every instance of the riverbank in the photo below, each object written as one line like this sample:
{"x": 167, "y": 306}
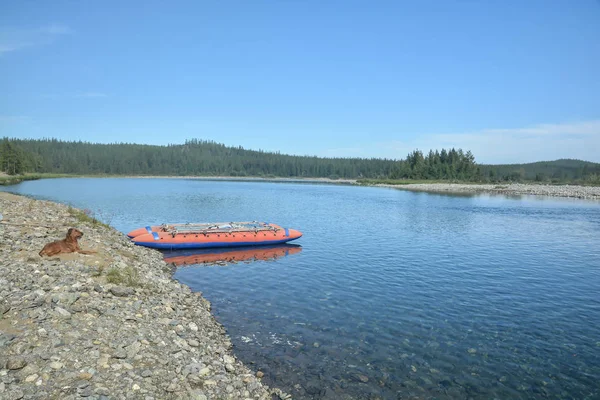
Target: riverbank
{"x": 512, "y": 189}
{"x": 112, "y": 325}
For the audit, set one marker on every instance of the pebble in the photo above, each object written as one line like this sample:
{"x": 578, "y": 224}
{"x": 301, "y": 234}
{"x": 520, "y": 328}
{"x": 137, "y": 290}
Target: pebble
{"x": 15, "y": 363}
{"x": 55, "y": 365}
{"x": 86, "y": 376}
{"x": 62, "y": 312}
{"x": 228, "y": 359}
{"x": 13, "y": 394}
{"x": 120, "y": 354}
{"x": 121, "y": 291}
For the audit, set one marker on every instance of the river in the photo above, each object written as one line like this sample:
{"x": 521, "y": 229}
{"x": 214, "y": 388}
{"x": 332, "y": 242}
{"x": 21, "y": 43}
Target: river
{"x": 390, "y": 294}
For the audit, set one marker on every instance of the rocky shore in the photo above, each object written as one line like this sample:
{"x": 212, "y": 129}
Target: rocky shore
{"x": 513, "y": 189}
{"x": 113, "y": 325}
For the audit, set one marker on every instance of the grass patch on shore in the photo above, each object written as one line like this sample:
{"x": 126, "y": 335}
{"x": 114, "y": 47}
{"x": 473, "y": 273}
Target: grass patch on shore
{"x": 6, "y": 180}
{"x": 127, "y": 276}
{"x": 86, "y": 217}
{"x": 99, "y": 271}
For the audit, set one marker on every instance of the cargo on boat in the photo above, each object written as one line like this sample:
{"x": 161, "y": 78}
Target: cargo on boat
{"x": 231, "y": 254}
{"x": 203, "y": 235}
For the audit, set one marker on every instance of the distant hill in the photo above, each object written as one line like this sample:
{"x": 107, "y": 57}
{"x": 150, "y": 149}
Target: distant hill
{"x": 544, "y": 171}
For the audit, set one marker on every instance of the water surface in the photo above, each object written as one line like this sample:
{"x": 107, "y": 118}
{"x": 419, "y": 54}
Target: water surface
{"x": 394, "y": 294}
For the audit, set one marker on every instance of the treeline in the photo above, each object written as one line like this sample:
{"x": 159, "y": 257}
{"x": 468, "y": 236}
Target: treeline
{"x": 207, "y": 158}
{"x": 200, "y": 157}
{"x": 195, "y": 157}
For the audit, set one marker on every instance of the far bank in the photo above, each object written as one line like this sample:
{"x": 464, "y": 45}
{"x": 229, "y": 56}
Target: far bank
{"x": 510, "y": 189}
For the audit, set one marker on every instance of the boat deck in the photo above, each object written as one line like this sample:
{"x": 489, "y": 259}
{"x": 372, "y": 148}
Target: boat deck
{"x": 219, "y": 227}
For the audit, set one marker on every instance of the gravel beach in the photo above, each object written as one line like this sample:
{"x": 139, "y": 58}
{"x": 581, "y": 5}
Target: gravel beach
{"x": 113, "y": 325}
{"x": 513, "y": 189}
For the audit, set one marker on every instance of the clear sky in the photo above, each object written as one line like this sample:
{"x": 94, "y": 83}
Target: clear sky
{"x": 513, "y": 81}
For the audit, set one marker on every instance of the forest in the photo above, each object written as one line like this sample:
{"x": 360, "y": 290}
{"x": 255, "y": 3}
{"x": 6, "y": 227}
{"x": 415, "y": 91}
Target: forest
{"x": 207, "y": 158}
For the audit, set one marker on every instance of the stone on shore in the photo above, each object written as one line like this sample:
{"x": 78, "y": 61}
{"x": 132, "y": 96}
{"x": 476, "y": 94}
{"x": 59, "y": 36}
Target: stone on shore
{"x": 121, "y": 291}
{"x": 15, "y": 363}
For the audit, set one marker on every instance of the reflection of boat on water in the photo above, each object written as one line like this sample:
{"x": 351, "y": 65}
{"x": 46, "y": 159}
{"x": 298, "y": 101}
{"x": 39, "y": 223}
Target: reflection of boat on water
{"x": 227, "y": 255}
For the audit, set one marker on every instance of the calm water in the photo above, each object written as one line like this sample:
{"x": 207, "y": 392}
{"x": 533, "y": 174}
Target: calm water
{"x": 394, "y": 294}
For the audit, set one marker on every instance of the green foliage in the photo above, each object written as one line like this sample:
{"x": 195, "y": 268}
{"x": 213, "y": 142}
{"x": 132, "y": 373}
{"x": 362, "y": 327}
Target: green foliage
{"x": 445, "y": 165}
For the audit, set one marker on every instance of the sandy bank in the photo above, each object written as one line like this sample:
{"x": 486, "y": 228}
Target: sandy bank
{"x": 113, "y": 325}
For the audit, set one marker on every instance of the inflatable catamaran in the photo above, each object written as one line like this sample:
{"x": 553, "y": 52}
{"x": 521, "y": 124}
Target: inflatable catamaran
{"x": 203, "y": 235}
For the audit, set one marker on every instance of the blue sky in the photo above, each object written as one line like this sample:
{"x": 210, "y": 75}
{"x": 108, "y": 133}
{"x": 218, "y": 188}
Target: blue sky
{"x": 513, "y": 81}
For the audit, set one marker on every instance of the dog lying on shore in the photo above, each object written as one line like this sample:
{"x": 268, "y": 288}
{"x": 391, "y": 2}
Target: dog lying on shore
{"x": 67, "y": 245}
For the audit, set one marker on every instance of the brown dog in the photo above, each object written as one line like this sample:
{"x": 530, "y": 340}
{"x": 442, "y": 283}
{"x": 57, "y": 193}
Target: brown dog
{"x": 67, "y": 245}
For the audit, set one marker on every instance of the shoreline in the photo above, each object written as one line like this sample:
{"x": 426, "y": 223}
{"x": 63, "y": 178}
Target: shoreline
{"x": 507, "y": 189}
{"x": 110, "y": 325}
{"x": 21, "y": 178}
{"x": 511, "y": 189}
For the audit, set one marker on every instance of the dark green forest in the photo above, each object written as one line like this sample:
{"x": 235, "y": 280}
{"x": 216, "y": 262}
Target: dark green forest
{"x": 207, "y": 158}
{"x": 13, "y": 160}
